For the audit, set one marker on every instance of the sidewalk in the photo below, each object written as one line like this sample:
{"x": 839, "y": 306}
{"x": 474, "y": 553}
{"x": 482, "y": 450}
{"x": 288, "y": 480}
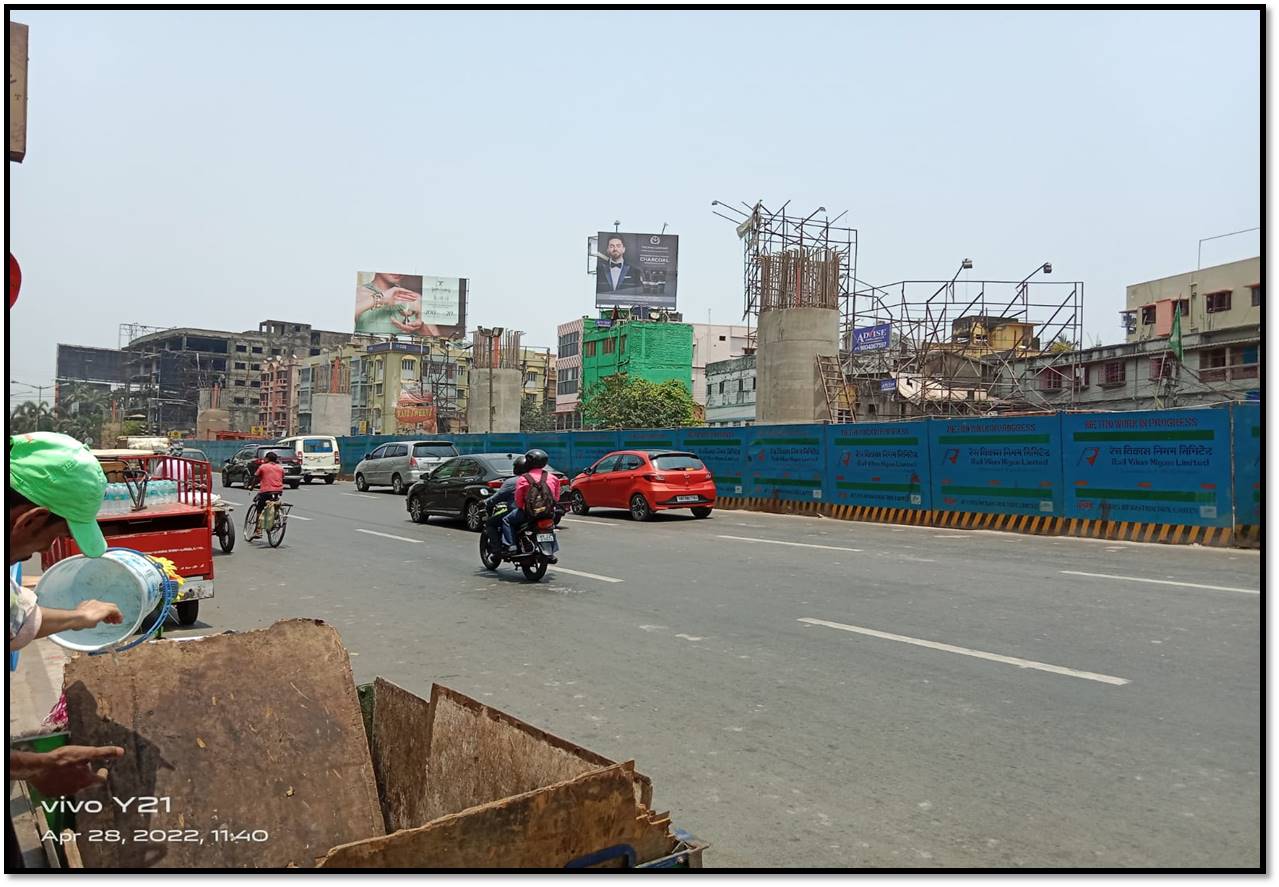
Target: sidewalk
{"x": 35, "y": 687}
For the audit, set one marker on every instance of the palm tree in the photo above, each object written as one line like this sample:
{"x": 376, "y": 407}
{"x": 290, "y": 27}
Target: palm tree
{"x": 31, "y": 416}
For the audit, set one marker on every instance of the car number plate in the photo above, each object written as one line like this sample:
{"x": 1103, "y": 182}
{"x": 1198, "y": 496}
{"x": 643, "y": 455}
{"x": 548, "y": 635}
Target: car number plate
{"x": 545, "y": 537}
{"x": 687, "y": 498}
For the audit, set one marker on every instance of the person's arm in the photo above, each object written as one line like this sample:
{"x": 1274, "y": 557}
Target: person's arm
{"x": 63, "y": 771}
{"x": 86, "y": 615}
{"x": 521, "y": 487}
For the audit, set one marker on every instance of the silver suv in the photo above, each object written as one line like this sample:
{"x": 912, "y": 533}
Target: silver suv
{"x": 400, "y": 464}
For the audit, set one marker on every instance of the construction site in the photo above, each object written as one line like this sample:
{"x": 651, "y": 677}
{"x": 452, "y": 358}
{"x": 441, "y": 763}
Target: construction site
{"x": 908, "y": 349}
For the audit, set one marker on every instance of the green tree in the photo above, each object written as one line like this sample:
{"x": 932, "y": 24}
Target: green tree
{"x": 620, "y": 401}
{"x": 536, "y": 417}
{"x": 81, "y": 412}
{"x": 1061, "y": 345}
{"x": 31, "y": 416}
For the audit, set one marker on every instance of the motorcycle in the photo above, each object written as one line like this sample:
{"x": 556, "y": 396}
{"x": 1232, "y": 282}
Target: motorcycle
{"x": 535, "y": 540}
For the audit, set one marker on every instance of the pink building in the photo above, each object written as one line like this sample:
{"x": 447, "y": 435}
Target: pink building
{"x": 568, "y": 376}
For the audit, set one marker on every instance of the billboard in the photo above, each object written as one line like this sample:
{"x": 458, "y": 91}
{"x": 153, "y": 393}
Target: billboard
{"x": 872, "y": 338}
{"x": 636, "y": 269}
{"x": 416, "y": 411}
{"x": 389, "y": 304}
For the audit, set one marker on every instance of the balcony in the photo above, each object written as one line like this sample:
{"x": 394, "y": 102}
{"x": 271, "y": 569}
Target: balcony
{"x": 1229, "y": 373}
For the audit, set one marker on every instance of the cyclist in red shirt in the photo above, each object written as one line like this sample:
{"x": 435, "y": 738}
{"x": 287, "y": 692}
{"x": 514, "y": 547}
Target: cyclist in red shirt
{"x": 270, "y": 481}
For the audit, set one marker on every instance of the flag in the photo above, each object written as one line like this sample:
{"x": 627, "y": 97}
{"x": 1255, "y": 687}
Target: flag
{"x": 1174, "y": 339}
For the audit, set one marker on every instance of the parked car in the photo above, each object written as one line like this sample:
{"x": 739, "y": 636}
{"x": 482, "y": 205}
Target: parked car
{"x": 243, "y": 466}
{"x": 401, "y": 464}
{"x": 318, "y": 454}
{"x": 645, "y": 482}
{"x": 457, "y": 488}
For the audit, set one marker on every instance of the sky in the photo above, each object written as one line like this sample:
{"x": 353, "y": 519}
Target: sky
{"x": 219, "y": 168}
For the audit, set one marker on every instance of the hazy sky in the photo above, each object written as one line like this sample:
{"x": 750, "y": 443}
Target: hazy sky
{"x": 216, "y": 169}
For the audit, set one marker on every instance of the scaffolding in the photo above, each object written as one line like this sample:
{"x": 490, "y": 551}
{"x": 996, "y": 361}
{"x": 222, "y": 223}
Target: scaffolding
{"x": 961, "y": 347}
{"x": 792, "y": 261}
{"x": 497, "y": 350}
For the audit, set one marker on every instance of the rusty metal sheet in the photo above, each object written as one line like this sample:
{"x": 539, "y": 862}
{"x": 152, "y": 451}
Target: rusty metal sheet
{"x": 401, "y": 754}
{"x": 550, "y": 827}
{"x": 256, "y": 735}
{"x": 480, "y": 754}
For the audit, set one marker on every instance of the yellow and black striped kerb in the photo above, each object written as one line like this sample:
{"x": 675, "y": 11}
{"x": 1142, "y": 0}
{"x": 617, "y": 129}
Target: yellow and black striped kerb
{"x": 1037, "y": 524}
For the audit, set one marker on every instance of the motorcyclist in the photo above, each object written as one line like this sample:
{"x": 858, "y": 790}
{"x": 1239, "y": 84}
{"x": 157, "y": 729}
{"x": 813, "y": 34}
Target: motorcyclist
{"x": 536, "y": 460}
{"x": 505, "y": 493}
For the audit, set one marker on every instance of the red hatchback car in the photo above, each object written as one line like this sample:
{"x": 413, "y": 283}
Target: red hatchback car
{"x": 644, "y": 482}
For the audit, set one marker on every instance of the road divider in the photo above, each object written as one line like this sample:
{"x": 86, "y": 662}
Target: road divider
{"x": 977, "y": 654}
{"x": 1160, "y": 582}
{"x": 779, "y": 542}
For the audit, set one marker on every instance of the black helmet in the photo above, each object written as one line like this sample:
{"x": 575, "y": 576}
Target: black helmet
{"x": 521, "y": 465}
{"x": 536, "y": 458}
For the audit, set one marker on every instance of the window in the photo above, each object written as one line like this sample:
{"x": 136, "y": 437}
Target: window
{"x": 275, "y": 351}
{"x": 377, "y": 390}
{"x": 606, "y": 464}
{"x": 1218, "y": 301}
{"x": 1212, "y": 365}
{"x": 610, "y": 345}
{"x": 629, "y": 463}
{"x": 242, "y": 348}
{"x": 721, "y": 387}
{"x": 741, "y": 385}
{"x": 752, "y": 383}
{"x": 678, "y": 462}
{"x": 317, "y": 446}
{"x": 239, "y": 383}
{"x": 1184, "y": 305}
{"x": 569, "y": 343}
{"x": 1161, "y": 367}
{"x": 709, "y": 386}
{"x": 257, "y": 349}
{"x": 1050, "y": 380}
{"x": 1113, "y": 372}
{"x": 468, "y": 468}
{"x": 240, "y": 365}
{"x": 397, "y": 450}
{"x": 588, "y": 350}
{"x": 434, "y": 450}
{"x": 567, "y": 380}
{"x": 1245, "y": 362}
{"x": 1147, "y": 315}
{"x": 255, "y": 384}
{"x": 1256, "y": 295}
{"x": 239, "y": 401}
{"x": 723, "y": 338}
{"x": 255, "y": 366}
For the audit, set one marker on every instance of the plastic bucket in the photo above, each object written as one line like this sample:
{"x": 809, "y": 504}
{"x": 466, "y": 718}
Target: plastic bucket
{"x": 123, "y": 577}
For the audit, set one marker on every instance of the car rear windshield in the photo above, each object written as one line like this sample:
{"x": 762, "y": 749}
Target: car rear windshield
{"x": 677, "y": 463}
{"x": 504, "y": 465}
{"x": 436, "y": 450}
{"x": 286, "y": 454}
{"x": 317, "y": 446}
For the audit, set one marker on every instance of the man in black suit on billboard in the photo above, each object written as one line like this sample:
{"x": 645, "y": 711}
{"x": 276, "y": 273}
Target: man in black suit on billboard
{"x": 616, "y": 274}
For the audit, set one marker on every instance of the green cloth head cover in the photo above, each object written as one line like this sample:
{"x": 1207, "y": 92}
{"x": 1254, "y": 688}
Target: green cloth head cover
{"x": 61, "y": 474}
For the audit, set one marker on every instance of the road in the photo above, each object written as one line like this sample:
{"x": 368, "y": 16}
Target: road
{"x": 813, "y": 692}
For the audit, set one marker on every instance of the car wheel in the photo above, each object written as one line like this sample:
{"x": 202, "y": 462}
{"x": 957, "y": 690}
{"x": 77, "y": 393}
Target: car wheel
{"x": 701, "y": 511}
{"x": 417, "y": 512}
{"x": 306, "y": 479}
{"x": 226, "y": 478}
{"x": 361, "y": 484}
{"x": 639, "y": 508}
{"x": 474, "y": 516}
{"x": 579, "y": 503}
{"x": 330, "y": 478}
{"x": 294, "y": 484}
{"x": 397, "y": 485}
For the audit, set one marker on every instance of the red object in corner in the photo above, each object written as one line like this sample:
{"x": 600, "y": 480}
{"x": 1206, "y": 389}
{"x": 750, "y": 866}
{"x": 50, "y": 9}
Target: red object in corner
{"x": 15, "y": 279}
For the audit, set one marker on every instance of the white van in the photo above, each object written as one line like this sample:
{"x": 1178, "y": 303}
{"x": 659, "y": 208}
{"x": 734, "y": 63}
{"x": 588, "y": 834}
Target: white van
{"x": 319, "y": 455}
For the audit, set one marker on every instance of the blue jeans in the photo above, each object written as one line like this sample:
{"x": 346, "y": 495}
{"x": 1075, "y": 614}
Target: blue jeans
{"x": 513, "y": 518}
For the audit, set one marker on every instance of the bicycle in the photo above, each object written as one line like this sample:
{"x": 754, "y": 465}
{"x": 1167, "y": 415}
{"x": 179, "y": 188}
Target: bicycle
{"x": 275, "y": 519}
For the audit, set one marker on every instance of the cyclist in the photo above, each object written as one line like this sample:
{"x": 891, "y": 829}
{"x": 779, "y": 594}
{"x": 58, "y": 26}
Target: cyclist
{"x": 270, "y": 481}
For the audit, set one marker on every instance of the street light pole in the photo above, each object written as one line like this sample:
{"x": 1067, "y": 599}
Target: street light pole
{"x": 1024, "y": 291}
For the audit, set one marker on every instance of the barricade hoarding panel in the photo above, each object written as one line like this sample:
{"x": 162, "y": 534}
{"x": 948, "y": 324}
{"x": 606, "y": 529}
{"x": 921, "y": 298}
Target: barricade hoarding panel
{"x": 878, "y": 465}
{"x": 588, "y": 447}
{"x": 1164, "y": 466}
{"x": 786, "y": 462}
{"x": 1247, "y": 461}
{"x": 723, "y": 450}
{"x": 1004, "y": 465}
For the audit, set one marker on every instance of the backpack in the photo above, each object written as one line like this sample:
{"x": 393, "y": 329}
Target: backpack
{"x": 537, "y": 498}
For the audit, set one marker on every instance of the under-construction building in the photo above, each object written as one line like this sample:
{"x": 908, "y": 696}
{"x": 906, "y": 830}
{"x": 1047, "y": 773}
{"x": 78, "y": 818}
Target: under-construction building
{"x": 172, "y": 375}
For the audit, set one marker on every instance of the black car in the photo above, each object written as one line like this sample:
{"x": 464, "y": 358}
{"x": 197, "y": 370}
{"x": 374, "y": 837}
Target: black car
{"x": 243, "y": 466}
{"x": 454, "y": 488}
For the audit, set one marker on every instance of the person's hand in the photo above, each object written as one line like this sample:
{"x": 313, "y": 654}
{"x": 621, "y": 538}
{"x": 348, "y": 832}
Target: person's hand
{"x": 90, "y": 613}
{"x": 400, "y": 294}
{"x": 67, "y": 770}
{"x": 413, "y": 329}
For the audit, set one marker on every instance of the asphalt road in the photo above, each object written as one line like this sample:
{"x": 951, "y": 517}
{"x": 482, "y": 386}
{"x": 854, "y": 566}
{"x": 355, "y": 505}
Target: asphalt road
{"x": 959, "y": 698}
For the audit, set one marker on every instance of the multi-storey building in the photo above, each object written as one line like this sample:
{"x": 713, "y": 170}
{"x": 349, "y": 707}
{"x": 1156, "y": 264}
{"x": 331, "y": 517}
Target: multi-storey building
{"x": 568, "y": 375}
{"x": 712, "y": 343}
{"x": 730, "y": 391}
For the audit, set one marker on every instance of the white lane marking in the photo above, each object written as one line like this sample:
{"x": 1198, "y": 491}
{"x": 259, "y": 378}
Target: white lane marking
{"x": 559, "y": 569}
{"x": 360, "y": 496}
{"x": 979, "y": 654}
{"x": 1161, "y": 582}
{"x": 690, "y": 637}
{"x": 795, "y": 544}
{"x": 593, "y": 523}
{"x": 299, "y": 517}
{"x": 389, "y": 536}
{"x": 236, "y": 504}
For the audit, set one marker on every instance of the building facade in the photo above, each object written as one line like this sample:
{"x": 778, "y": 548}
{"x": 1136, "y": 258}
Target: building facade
{"x": 278, "y": 397}
{"x": 568, "y": 375}
{"x": 654, "y": 351}
{"x": 729, "y": 391}
{"x": 713, "y": 343}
